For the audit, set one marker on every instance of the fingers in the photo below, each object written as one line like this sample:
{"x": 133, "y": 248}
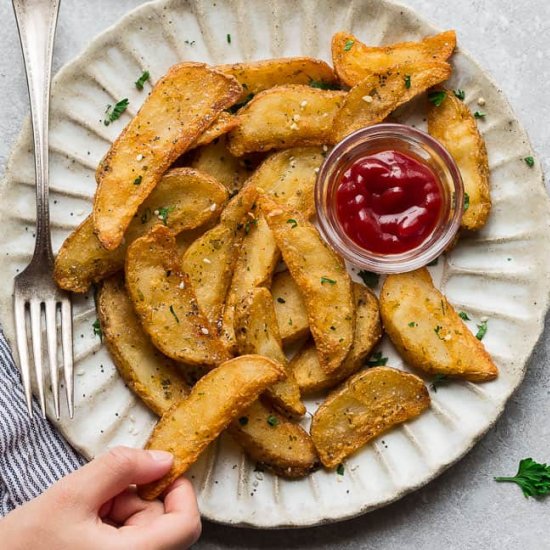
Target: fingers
{"x": 129, "y": 509}
{"x": 111, "y": 473}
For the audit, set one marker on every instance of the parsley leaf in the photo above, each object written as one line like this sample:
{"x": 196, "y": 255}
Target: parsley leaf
{"x": 327, "y": 280}
{"x": 437, "y": 330}
{"x": 163, "y": 213}
{"x": 234, "y": 108}
{"x": 464, "y": 316}
{"x": 97, "y": 329}
{"x": 272, "y": 420}
{"x": 228, "y": 38}
{"x": 530, "y": 161}
{"x": 407, "y": 81}
{"x": 439, "y": 380}
{"x": 114, "y": 113}
{"x": 466, "y": 201}
{"x": 477, "y": 114}
{"x": 340, "y": 469}
{"x": 142, "y": 80}
{"x": 369, "y": 278}
{"x": 532, "y": 477}
{"x": 377, "y": 360}
{"x": 413, "y": 324}
{"x": 437, "y": 97}
{"x": 481, "y": 330}
{"x": 174, "y": 314}
{"x": 323, "y": 85}
{"x": 460, "y": 94}
{"x": 137, "y": 181}
{"x": 292, "y": 222}
{"x": 348, "y": 45}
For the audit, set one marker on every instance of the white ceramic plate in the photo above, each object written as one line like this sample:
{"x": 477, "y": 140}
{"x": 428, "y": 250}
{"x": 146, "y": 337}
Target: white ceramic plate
{"x": 501, "y": 273}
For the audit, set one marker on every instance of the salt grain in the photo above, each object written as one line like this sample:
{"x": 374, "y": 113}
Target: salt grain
{"x": 367, "y": 98}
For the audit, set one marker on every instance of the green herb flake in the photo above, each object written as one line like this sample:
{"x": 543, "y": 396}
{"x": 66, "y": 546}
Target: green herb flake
{"x": 377, "y": 360}
{"x": 477, "y": 114}
{"x": 481, "y": 330}
{"x": 272, "y": 420}
{"x": 437, "y": 97}
{"x": 281, "y": 300}
{"x": 437, "y": 330}
{"x": 466, "y": 201}
{"x": 114, "y": 113}
{"x": 228, "y": 38}
{"x": 142, "y": 80}
{"x": 463, "y": 315}
{"x": 97, "y": 329}
{"x": 532, "y": 477}
{"x": 327, "y": 280}
{"x": 174, "y": 314}
{"x": 348, "y": 45}
{"x": 412, "y": 324}
{"x": 369, "y": 278}
{"x": 461, "y": 94}
{"x": 322, "y": 85}
{"x": 137, "y": 181}
{"x": 243, "y": 420}
{"x": 292, "y": 222}
{"x": 340, "y": 469}
{"x": 163, "y": 213}
{"x": 530, "y": 161}
{"x": 439, "y": 380}
{"x": 407, "y": 81}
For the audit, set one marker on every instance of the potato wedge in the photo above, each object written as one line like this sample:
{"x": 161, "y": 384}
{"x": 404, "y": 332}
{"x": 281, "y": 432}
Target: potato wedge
{"x": 180, "y": 107}
{"x": 368, "y": 331}
{"x": 165, "y": 303}
{"x": 153, "y": 377}
{"x": 210, "y": 260}
{"x": 428, "y": 333}
{"x": 184, "y": 199}
{"x": 375, "y": 97}
{"x": 216, "y": 400}
{"x": 223, "y": 124}
{"x": 289, "y": 177}
{"x": 216, "y": 160}
{"x": 365, "y": 406}
{"x": 256, "y": 76}
{"x": 289, "y": 308}
{"x": 354, "y": 61}
{"x": 322, "y": 279}
{"x": 257, "y": 332}
{"x": 454, "y": 126}
{"x": 274, "y": 442}
{"x": 285, "y": 116}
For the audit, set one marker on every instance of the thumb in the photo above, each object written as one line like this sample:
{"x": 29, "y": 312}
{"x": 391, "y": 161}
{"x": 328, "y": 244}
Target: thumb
{"x": 109, "y": 474}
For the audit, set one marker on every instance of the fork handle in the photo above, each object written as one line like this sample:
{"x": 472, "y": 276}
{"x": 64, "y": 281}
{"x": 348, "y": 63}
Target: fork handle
{"x": 36, "y": 21}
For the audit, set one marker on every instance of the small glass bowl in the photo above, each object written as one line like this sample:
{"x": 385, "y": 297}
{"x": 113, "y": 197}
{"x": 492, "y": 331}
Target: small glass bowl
{"x": 409, "y": 140}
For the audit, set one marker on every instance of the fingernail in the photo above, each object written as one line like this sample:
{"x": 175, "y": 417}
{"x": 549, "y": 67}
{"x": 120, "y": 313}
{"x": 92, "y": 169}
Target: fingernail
{"x": 161, "y": 456}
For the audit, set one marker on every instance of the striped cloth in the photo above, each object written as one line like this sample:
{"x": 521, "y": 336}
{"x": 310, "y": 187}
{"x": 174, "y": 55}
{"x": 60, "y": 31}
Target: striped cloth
{"x": 33, "y": 455}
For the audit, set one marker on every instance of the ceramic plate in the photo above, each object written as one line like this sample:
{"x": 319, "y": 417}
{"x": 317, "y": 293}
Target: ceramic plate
{"x": 501, "y": 273}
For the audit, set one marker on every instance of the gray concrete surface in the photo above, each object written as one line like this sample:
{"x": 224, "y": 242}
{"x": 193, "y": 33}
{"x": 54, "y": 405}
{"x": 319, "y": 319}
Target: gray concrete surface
{"x": 464, "y": 508}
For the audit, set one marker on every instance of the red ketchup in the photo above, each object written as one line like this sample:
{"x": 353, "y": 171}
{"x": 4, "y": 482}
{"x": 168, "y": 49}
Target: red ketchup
{"x": 389, "y": 202}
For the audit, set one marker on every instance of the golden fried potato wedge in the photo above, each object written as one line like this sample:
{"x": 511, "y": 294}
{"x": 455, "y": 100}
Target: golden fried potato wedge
{"x": 214, "y": 402}
{"x": 454, "y": 126}
{"x": 289, "y": 177}
{"x": 256, "y": 76}
{"x": 216, "y": 160}
{"x": 427, "y": 331}
{"x": 375, "y": 97}
{"x": 365, "y": 406}
{"x": 165, "y": 303}
{"x": 285, "y": 116}
{"x": 322, "y": 279}
{"x": 223, "y": 124}
{"x": 210, "y": 260}
{"x": 368, "y": 331}
{"x": 274, "y": 442}
{"x": 257, "y": 332}
{"x": 152, "y": 376}
{"x": 354, "y": 61}
{"x": 183, "y": 200}
{"x": 289, "y": 308}
{"x": 180, "y": 107}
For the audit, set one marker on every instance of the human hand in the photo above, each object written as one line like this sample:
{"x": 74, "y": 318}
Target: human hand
{"x": 98, "y": 507}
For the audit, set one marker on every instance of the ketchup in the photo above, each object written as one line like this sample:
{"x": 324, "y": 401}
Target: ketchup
{"x": 389, "y": 202}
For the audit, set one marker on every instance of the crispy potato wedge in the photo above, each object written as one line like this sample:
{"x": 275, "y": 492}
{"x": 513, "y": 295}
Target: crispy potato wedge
{"x": 274, "y": 442}
{"x": 365, "y": 406}
{"x": 454, "y": 126}
{"x": 427, "y": 331}
{"x": 223, "y": 124}
{"x": 322, "y": 279}
{"x": 165, "y": 303}
{"x": 210, "y": 260}
{"x": 216, "y": 400}
{"x": 186, "y": 198}
{"x": 375, "y": 97}
{"x": 161, "y": 132}
{"x": 368, "y": 331}
{"x": 216, "y": 160}
{"x": 152, "y": 376}
{"x": 289, "y": 308}
{"x": 354, "y": 61}
{"x": 256, "y": 76}
{"x": 257, "y": 332}
{"x": 285, "y": 116}
{"x": 289, "y": 177}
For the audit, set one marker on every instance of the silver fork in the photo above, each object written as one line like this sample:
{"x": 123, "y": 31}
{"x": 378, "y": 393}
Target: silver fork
{"x": 34, "y": 288}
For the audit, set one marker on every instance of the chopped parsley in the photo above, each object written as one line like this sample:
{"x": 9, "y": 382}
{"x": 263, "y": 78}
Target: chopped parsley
{"x": 142, "y": 80}
{"x": 163, "y": 213}
{"x": 463, "y": 315}
{"x": 532, "y": 477}
{"x": 228, "y": 37}
{"x": 439, "y": 380}
{"x": 272, "y": 420}
{"x": 281, "y": 300}
{"x": 530, "y": 161}
{"x": 97, "y": 329}
{"x": 292, "y": 222}
{"x": 477, "y": 114}
{"x": 322, "y": 85}
{"x": 437, "y": 97}
{"x": 114, "y": 113}
{"x": 377, "y": 360}
{"x": 461, "y": 94}
{"x": 437, "y": 330}
{"x": 407, "y": 81}
{"x": 243, "y": 420}
{"x": 413, "y": 324}
{"x": 327, "y": 280}
{"x": 248, "y": 224}
{"x": 234, "y": 108}
{"x": 369, "y": 278}
{"x": 340, "y": 469}
{"x": 466, "y": 201}
{"x": 137, "y": 181}
{"x": 174, "y": 314}
{"x": 481, "y": 330}
{"x": 348, "y": 45}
